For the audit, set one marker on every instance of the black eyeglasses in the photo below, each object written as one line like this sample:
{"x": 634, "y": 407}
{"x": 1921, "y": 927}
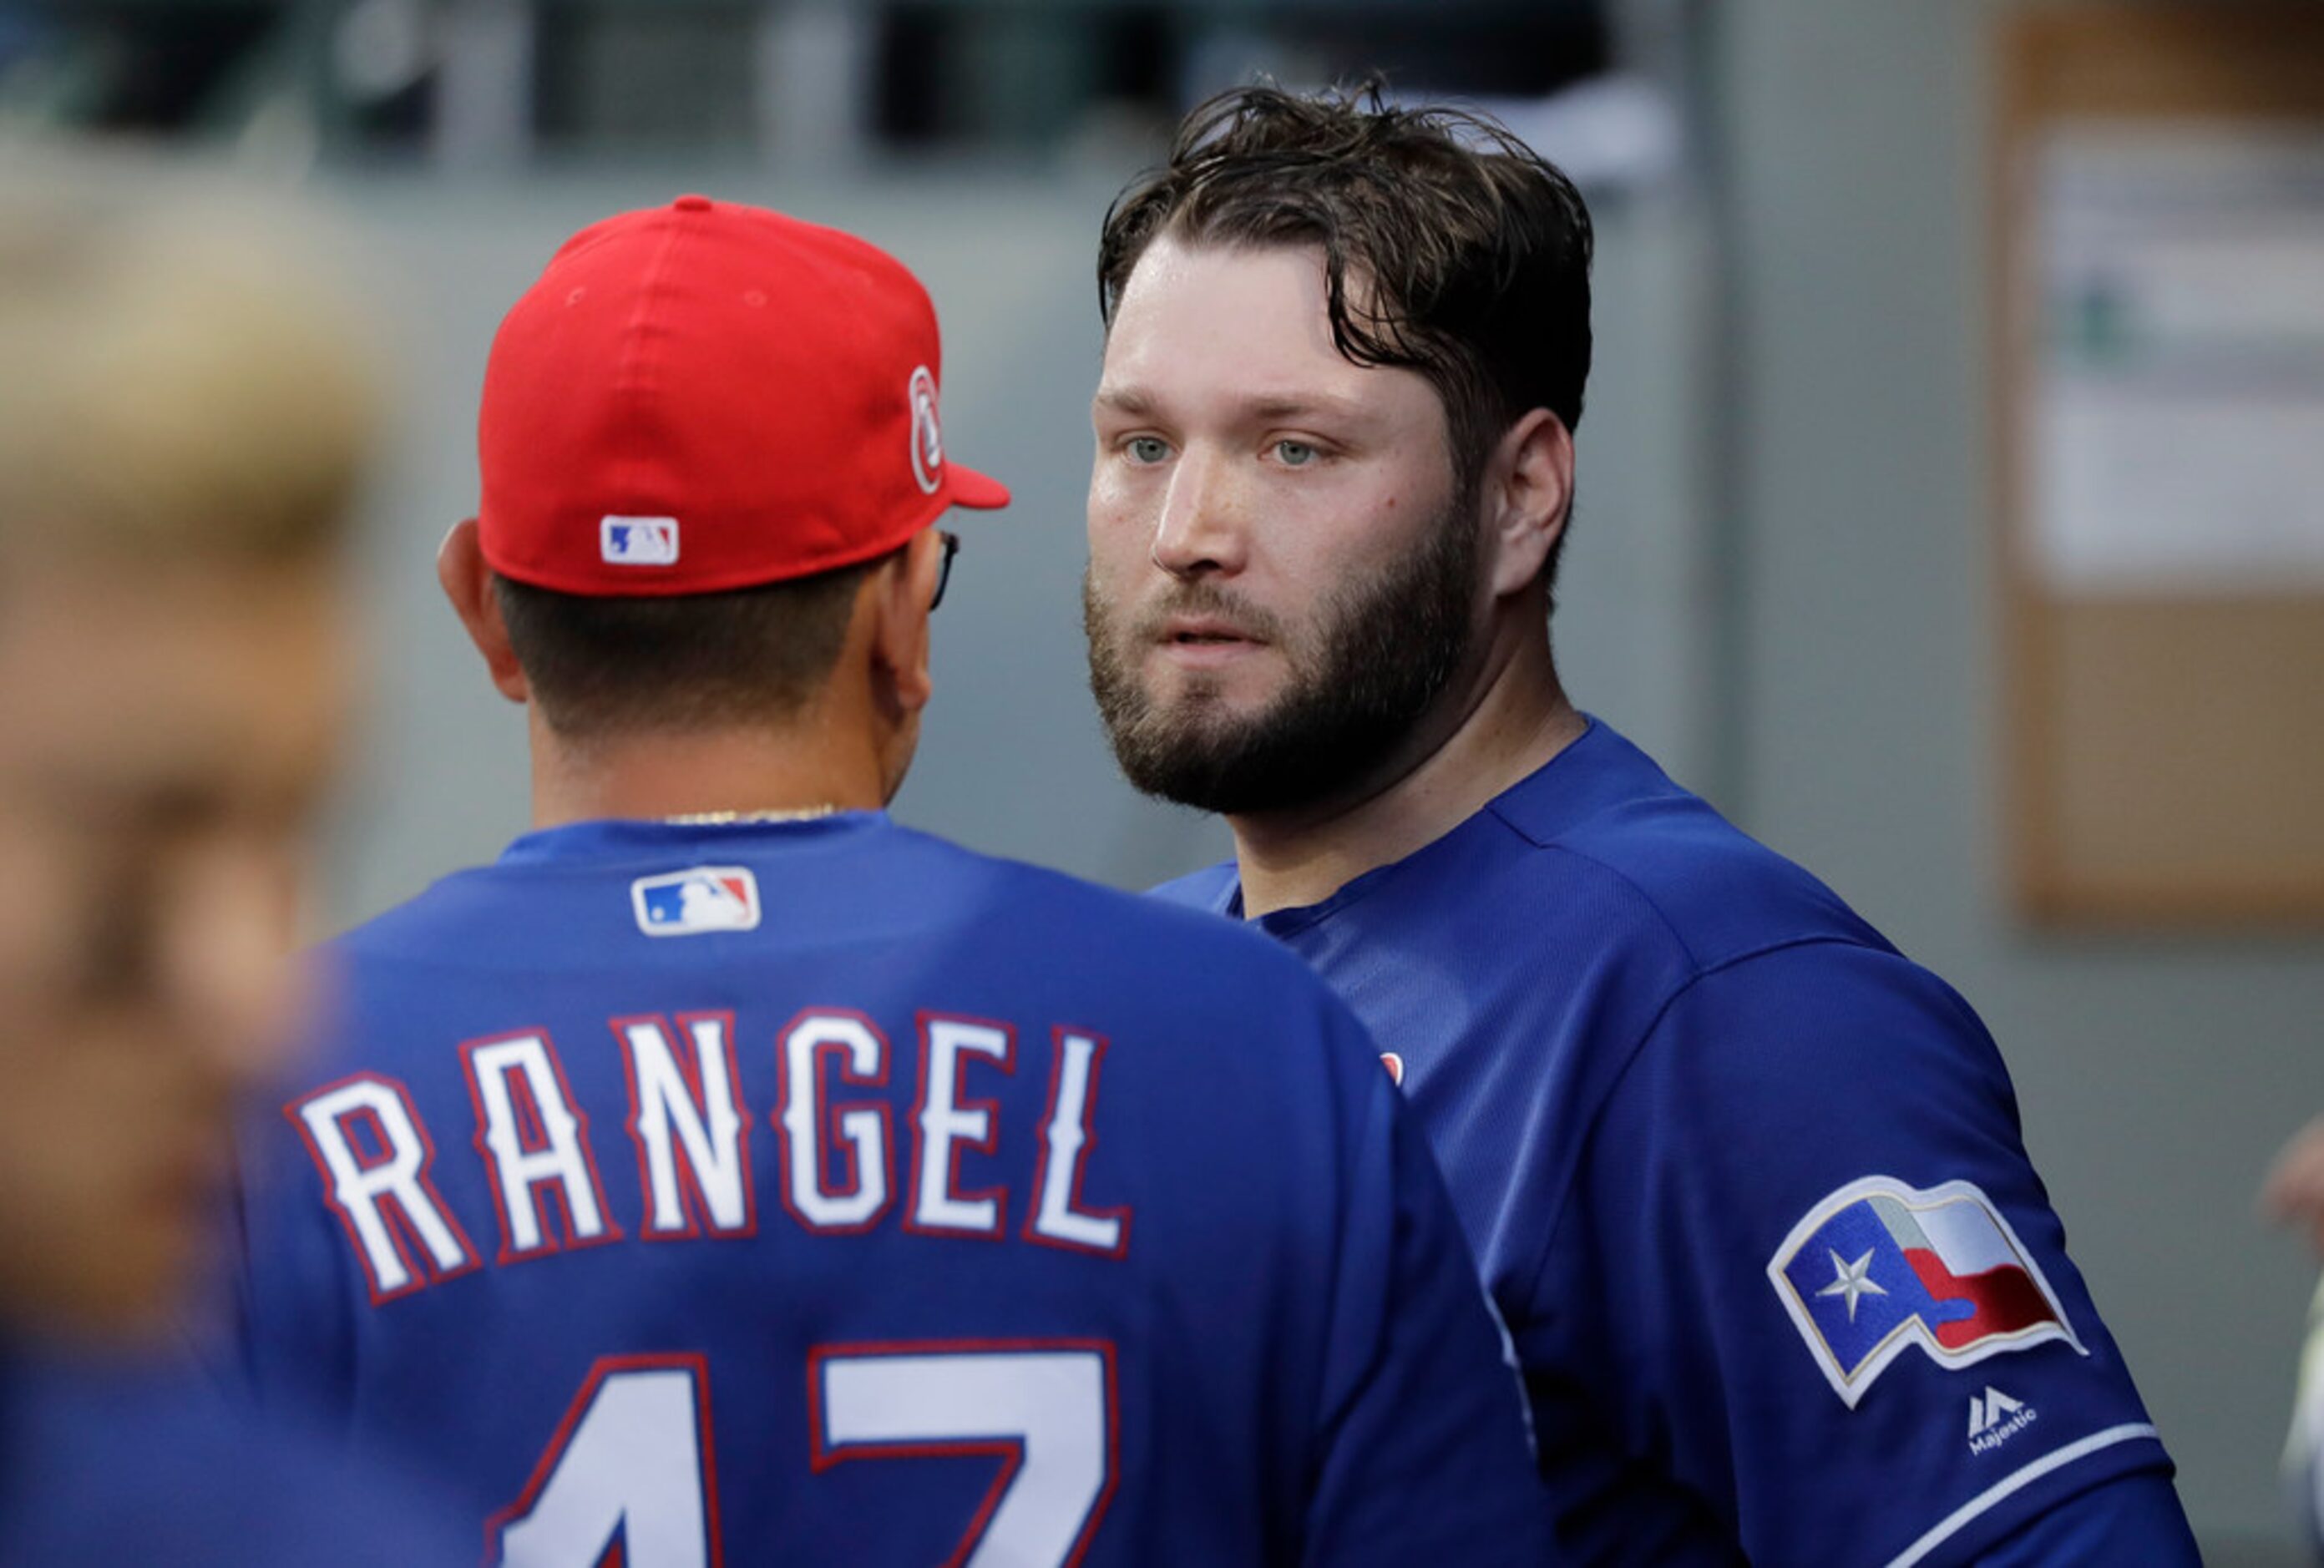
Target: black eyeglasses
{"x": 943, "y": 572}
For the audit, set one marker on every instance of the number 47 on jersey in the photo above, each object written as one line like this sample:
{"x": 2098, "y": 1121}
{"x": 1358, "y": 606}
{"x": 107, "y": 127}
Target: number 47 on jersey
{"x": 633, "y": 1464}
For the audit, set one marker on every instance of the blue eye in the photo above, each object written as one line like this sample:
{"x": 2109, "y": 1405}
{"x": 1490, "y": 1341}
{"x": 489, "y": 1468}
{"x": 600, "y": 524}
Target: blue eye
{"x": 1148, "y": 448}
{"x": 1294, "y": 454}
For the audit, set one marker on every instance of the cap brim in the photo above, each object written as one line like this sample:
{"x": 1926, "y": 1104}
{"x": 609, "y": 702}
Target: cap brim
{"x": 964, "y": 486}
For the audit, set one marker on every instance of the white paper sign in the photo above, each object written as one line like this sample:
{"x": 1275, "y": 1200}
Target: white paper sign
{"x": 2178, "y": 366}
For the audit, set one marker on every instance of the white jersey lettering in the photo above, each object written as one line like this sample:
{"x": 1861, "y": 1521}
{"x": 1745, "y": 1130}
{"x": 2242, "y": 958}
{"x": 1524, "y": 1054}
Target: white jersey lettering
{"x": 536, "y": 1145}
{"x": 687, "y": 1118}
{"x": 689, "y": 1124}
{"x": 946, "y": 1124}
{"x": 807, "y": 1109}
{"x": 1059, "y": 1217}
{"x": 381, "y": 1192}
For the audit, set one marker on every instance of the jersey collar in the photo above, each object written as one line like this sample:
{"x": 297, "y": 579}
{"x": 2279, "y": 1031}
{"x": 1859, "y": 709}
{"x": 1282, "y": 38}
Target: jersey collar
{"x": 1599, "y": 769}
{"x": 615, "y": 839}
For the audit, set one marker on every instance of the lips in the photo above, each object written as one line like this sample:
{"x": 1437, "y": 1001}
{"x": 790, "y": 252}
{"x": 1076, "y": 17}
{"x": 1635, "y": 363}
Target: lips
{"x": 1206, "y": 646}
{"x": 1197, "y": 631}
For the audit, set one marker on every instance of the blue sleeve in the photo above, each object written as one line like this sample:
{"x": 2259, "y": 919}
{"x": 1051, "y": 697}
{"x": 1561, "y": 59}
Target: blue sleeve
{"x": 1823, "y": 1282}
{"x": 1423, "y": 1456}
{"x": 2135, "y": 1522}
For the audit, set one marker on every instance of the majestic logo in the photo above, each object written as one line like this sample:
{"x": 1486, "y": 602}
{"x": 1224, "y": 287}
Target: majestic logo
{"x": 928, "y": 435}
{"x": 1993, "y": 1418}
{"x": 638, "y": 541}
{"x": 689, "y": 902}
{"x": 1878, "y": 1265}
{"x": 1395, "y": 1065}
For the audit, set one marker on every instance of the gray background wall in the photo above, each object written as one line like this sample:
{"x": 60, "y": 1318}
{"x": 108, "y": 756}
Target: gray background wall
{"x": 1781, "y": 583}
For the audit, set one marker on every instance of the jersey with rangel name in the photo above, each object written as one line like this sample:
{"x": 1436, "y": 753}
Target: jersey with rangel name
{"x": 1746, "y": 1184}
{"x": 820, "y": 1192}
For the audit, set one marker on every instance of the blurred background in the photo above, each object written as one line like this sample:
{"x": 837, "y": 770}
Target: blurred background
{"x": 1816, "y": 549}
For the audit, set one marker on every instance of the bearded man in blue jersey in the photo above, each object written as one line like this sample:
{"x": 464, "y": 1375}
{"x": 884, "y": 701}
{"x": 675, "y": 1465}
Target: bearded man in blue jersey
{"x": 1746, "y": 1184}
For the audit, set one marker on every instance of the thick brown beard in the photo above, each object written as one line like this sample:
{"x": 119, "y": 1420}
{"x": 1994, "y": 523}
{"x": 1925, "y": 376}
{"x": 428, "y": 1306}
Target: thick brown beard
{"x": 1378, "y": 659}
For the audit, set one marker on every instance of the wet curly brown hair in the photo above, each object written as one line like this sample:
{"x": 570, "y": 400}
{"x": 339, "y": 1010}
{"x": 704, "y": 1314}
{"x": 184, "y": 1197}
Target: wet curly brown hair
{"x": 1450, "y": 247}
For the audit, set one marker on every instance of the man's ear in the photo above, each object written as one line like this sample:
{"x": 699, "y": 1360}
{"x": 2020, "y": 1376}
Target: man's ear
{"x": 1528, "y": 495}
{"x": 900, "y": 591}
{"x": 467, "y": 583}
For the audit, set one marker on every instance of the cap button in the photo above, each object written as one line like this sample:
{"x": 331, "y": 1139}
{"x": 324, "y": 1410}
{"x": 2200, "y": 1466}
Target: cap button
{"x": 692, "y": 204}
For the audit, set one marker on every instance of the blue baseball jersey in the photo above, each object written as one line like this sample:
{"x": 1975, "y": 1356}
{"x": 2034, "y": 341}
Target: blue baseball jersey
{"x": 1746, "y": 1184}
{"x": 113, "y": 1463}
{"x": 822, "y": 1192}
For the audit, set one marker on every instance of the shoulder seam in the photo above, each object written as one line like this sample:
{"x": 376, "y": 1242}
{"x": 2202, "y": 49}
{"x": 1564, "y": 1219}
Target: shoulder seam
{"x": 1699, "y": 969}
{"x": 1693, "y": 959}
{"x": 1637, "y": 1049}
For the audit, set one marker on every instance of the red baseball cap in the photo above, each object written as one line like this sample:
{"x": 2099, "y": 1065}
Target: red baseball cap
{"x": 706, "y": 396}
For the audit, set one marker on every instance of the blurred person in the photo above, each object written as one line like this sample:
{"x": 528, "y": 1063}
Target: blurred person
{"x": 181, "y": 419}
{"x": 1746, "y": 1184}
{"x": 727, "y": 1172}
{"x": 2293, "y": 1194}
{"x": 2294, "y": 1191}
{"x": 2303, "y": 1444}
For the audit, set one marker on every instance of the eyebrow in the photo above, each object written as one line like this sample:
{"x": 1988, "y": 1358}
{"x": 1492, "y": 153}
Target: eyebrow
{"x": 1139, "y": 403}
{"x": 1125, "y": 400}
{"x": 1271, "y": 409}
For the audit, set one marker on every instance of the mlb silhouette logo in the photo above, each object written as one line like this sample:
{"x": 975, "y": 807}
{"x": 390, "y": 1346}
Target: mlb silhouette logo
{"x": 638, "y": 541}
{"x": 690, "y": 902}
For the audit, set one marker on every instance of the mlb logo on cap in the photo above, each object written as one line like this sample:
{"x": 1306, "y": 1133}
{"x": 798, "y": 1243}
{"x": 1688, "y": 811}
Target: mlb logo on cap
{"x": 638, "y": 541}
{"x": 701, "y": 899}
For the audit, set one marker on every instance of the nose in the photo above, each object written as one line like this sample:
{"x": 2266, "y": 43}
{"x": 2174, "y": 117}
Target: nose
{"x": 225, "y": 961}
{"x": 1202, "y": 530}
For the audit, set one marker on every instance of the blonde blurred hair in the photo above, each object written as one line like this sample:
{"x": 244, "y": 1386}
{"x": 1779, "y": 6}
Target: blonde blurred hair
{"x": 178, "y": 377}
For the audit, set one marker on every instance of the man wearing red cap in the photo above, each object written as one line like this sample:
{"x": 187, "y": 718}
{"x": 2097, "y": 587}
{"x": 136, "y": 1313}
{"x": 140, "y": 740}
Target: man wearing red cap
{"x": 728, "y": 1173}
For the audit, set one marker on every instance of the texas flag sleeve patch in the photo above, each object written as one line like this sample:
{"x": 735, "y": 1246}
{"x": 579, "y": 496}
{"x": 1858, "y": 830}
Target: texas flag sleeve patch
{"x": 1879, "y": 1267}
